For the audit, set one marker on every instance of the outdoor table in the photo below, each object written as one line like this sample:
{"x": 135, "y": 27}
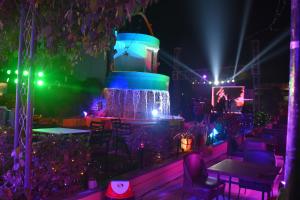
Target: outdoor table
{"x": 245, "y": 170}
{"x": 271, "y": 142}
{"x": 268, "y": 141}
{"x": 60, "y": 131}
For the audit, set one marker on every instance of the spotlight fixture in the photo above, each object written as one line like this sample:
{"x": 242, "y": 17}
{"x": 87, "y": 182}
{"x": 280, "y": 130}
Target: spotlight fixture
{"x": 85, "y": 113}
{"x": 222, "y": 82}
{"x": 209, "y": 82}
{"x": 216, "y": 82}
{"x": 40, "y": 82}
{"x": 25, "y": 73}
{"x": 228, "y": 81}
{"x": 232, "y": 80}
{"x": 40, "y": 74}
{"x": 204, "y": 76}
{"x": 154, "y": 113}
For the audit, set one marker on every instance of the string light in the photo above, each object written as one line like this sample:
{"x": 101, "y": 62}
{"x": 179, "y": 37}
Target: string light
{"x": 142, "y": 145}
{"x": 215, "y": 82}
{"x": 40, "y": 74}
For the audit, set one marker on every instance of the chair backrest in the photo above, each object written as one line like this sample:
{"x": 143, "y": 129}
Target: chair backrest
{"x": 97, "y": 132}
{"x": 125, "y": 129}
{"x": 116, "y": 123}
{"x": 98, "y": 126}
{"x": 194, "y": 169}
{"x": 254, "y": 145}
{"x": 260, "y": 157}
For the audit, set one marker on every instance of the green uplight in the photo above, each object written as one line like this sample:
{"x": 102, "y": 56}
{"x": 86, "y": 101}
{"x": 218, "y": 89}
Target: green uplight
{"x": 40, "y": 82}
{"x": 16, "y": 72}
{"x": 25, "y": 73}
{"x": 40, "y": 74}
{"x": 8, "y": 71}
{"x": 16, "y": 81}
{"x": 7, "y": 80}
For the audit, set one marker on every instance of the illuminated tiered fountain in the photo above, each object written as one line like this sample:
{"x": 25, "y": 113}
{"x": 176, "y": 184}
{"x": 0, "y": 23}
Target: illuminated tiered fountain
{"x": 134, "y": 90}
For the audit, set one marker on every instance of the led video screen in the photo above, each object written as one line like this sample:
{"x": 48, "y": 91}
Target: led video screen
{"x": 228, "y": 98}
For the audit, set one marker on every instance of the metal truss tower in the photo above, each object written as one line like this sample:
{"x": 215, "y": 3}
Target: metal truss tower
{"x": 176, "y": 80}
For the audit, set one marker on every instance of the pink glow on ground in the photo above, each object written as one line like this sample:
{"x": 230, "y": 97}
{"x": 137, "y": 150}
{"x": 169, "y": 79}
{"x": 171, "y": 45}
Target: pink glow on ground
{"x": 172, "y": 190}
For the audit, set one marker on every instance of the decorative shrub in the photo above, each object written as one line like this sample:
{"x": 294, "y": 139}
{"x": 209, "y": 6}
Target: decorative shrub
{"x": 261, "y": 119}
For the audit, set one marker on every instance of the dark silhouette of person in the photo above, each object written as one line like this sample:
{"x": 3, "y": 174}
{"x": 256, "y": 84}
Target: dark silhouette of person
{"x": 221, "y": 105}
{"x": 229, "y": 103}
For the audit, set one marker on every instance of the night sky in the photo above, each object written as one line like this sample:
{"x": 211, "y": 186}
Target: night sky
{"x": 178, "y": 23}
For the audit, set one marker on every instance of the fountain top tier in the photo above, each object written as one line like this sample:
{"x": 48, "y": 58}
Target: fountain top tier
{"x": 148, "y": 40}
{"x": 137, "y": 81}
{"x": 136, "y": 52}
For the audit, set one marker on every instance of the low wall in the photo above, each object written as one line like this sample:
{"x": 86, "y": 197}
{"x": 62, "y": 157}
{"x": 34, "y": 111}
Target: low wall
{"x": 148, "y": 180}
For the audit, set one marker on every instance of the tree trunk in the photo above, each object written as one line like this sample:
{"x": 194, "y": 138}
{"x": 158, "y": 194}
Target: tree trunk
{"x": 18, "y": 89}
{"x": 292, "y": 161}
{"x": 28, "y": 147}
{"x": 110, "y": 58}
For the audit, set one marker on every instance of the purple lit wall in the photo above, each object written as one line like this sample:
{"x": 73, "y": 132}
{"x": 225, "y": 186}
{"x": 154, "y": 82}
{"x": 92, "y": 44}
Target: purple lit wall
{"x": 292, "y": 161}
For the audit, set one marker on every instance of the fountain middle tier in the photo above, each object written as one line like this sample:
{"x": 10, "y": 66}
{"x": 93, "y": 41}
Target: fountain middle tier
{"x": 137, "y": 103}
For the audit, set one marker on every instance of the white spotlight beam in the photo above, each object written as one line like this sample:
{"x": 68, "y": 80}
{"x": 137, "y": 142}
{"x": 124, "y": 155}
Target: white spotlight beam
{"x": 242, "y": 36}
{"x": 262, "y": 53}
{"x": 264, "y": 59}
{"x": 182, "y": 65}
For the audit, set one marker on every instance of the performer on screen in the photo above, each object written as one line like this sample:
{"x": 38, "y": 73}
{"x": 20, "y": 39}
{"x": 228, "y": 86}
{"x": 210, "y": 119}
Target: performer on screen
{"x": 239, "y": 101}
{"x": 221, "y": 100}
